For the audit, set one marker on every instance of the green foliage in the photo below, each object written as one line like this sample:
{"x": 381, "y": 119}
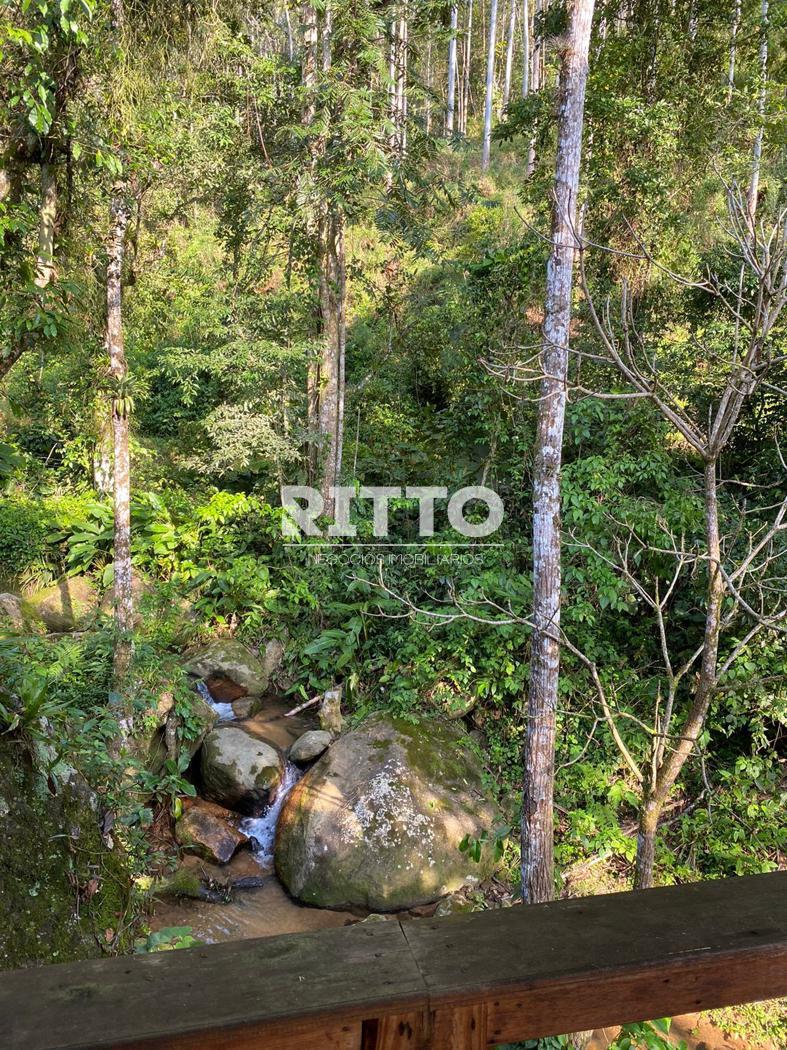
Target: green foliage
{"x": 647, "y": 1035}
{"x": 167, "y": 939}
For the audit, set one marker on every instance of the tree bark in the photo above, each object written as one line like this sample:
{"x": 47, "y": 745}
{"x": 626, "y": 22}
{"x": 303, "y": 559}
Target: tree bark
{"x": 525, "y": 48}
{"x": 650, "y": 811}
{"x": 756, "y": 156}
{"x": 47, "y": 217}
{"x": 451, "y": 93}
{"x": 308, "y": 113}
{"x": 331, "y": 376}
{"x": 535, "y": 77}
{"x": 539, "y": 756}
{"x": 118, "y": 371}
{"x": 466, "y": 71}
{"x": 490, "y": 81}
{"x": 509, "y": 56}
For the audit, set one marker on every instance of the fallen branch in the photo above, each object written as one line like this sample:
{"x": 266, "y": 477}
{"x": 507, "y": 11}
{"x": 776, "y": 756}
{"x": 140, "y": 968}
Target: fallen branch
{"x": 302, "y": 707}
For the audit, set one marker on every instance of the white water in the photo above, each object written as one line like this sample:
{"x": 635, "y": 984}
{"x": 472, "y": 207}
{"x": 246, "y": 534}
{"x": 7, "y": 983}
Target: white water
{"x": 263, "y": 828}
{"x": 224, "y": 711}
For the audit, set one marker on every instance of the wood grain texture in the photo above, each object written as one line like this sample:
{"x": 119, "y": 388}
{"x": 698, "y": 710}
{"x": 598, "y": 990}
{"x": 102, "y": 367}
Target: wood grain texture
{"x": 255, "y": 988}
{"x": 592, "y": 961}
{"x": 459, "y": 983}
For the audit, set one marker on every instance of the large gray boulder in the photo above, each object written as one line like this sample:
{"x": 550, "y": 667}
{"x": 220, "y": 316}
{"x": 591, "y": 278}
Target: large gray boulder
{"x": 240, "y": 770}
{"x": 68, "y": 605}
{"x": 229, "y": 659}
{"x": 377, "y": 821}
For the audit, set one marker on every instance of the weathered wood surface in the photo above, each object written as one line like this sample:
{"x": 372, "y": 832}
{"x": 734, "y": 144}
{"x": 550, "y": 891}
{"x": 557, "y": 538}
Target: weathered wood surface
{"x": 465, "y": 982}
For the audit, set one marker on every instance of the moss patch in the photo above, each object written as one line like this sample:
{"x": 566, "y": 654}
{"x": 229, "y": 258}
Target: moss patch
{"x": 61, "y": 889}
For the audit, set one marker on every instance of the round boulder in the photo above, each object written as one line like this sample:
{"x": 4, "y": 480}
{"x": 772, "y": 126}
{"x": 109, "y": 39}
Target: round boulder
{"x": 309, "y": 745}
{"x": 67, "y": 605}
{"x": 239, "y": 770}
{"x": 377, "y": 822}
{"x": 229, "y": 659}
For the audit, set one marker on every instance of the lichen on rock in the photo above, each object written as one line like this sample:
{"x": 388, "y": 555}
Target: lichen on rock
{"x": 378, "y": 820}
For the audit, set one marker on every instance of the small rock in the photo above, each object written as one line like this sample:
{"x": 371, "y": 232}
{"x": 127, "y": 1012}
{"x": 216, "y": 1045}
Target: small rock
{"x": 455, "y": 904}
{"x": 331, "y": 711}
{"x": 247, "y": 707}
{"x": 208, "y": 830}
{"x": 309, "y": 746}
{"x": 231, "y": 660}
{"x": 272, "y": 657}
{"x": 240, "y": 770}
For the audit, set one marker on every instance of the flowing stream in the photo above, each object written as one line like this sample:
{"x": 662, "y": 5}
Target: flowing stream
{"x": 264, "y": 910}
{"x": 263, "y": 829}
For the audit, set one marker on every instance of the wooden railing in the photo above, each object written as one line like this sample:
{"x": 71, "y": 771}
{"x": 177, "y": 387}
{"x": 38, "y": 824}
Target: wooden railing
{"x": 465, "y": 982}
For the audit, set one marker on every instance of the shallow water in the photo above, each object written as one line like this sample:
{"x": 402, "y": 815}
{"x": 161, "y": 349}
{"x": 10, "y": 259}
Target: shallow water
{"x": 266, "y": 910}
{"x": 224, "y": 711}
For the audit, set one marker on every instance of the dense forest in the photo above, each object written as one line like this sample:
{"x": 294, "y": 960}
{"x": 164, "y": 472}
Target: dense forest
{"x": 497, "y": 288}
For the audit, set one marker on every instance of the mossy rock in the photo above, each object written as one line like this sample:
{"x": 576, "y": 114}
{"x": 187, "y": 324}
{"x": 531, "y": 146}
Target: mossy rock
{"x": 64, "y": 891}
{"x": 68, "y": 605}
{"x": 239, "y": 770}
{"x": 377, "y": 821}
{"x": 149, "y": 743}
{"x": 230, "y": 659}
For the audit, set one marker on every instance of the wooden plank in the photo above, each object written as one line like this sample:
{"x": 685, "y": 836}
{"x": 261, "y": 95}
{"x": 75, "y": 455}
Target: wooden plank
{"x": 595, "y": 961}
{"x": 409, "y": 1031}
{"x": 455, "y": 983}
{"x": 244, "y": 994}
{"x": 459, "y": 1028}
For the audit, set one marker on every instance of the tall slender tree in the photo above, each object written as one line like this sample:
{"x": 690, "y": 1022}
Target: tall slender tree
{"x": 509, "y": 56}
{"x": 451, "y": 92}
{"x": 525, "y": 48}
{"x": 756, "y": 158}
{"x": 539, "y": 752}
{"x": 121, "y": 464}
{"x": 490, "y": 84}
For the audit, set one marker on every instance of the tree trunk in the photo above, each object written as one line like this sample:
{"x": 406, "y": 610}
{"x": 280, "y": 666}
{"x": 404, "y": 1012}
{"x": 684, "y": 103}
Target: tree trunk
{"x": 525, "y": 48}
{"x": 45, "y": 252}
{"x": 118, "y": 371}
{"x": 736, "y": 22}
{"x": 539, "y": 757}
{"x": 756, "y": 156}
{"x": 466, "y": 76}
{"x": 428, "y": 82}
{"x": 646, "y": 843}
{"x": 535, "y": 77}
{"x": 509, "y": 56}
{"x": 451, "y": 94}
{"x": 47, "y": 217}
{"x": 331, "y": 375}
{"x": 490, "y": 81}
{"x": 309, "y": 85}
